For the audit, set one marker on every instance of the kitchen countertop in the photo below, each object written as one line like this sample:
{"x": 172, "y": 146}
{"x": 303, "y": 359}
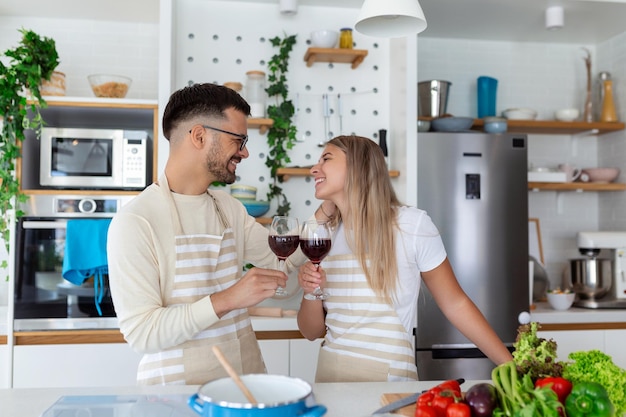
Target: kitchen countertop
{"x": 341, "y": 399}
{"x": 542, "y": 313}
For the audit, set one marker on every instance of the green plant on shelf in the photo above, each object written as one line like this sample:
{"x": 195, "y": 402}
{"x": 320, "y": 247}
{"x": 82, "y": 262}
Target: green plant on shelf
{"x": 26, "y": 65}
{"x": 281, "y": 136}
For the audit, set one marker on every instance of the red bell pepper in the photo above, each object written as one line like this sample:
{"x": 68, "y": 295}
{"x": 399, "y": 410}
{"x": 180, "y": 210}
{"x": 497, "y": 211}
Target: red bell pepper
{"x": 443, "y": 400}
{"x": 561, "y": 386}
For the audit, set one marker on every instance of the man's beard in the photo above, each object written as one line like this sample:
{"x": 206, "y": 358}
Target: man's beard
{"x": 219, "y": 171}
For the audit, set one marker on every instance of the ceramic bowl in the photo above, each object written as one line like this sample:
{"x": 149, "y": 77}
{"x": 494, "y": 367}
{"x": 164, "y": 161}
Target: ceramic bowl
{"x": 520, "y": 114}
{"x": 599, "y": 174}
{"x": 243, "y": 191}
{"x": 566, "y": 115}
{"x": 324, "y": 38}
{"x": 495, "y": 125}
{"x": 109, "y": 85}
{"x": 423, "y": 125}
{"x": 452, "y": 124}
{"x": 561, "y": 300}
{"x": 256, "y": 208}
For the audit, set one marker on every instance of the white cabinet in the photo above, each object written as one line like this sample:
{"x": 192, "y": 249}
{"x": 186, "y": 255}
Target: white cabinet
{"x": 569, "y": 341}
{"x": 4, "y": 364}
{"x": 614, "y": 342}
{"x": 303, "y": 358}
{"x": 79, "y": 365}
{"x": 293, "y": 357}
{"x": 276, "y": 356}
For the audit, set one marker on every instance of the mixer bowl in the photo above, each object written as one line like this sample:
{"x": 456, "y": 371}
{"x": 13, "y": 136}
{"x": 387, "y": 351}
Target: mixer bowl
{"x": 591, "y": 277}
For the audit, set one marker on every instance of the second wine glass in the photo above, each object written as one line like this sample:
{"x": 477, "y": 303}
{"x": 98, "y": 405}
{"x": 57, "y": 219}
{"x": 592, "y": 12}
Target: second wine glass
{"x": 283, "y": 240}
{"x": 315, "y": 244}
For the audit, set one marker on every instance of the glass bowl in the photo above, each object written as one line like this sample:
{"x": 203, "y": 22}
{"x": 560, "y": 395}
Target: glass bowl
{"x": 109, "y": 85}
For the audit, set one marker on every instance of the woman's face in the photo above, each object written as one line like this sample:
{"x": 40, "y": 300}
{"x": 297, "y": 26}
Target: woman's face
{"x": 330, "y": 174}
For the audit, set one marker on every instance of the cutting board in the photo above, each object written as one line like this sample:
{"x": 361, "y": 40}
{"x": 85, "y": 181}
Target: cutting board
{"x": 409, "y": 410}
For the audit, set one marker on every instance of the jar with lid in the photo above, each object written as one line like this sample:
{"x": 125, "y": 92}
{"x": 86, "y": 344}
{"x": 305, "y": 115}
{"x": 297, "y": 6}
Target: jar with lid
{"x": 345, "y": 38}
{"x": 255, "y": 93}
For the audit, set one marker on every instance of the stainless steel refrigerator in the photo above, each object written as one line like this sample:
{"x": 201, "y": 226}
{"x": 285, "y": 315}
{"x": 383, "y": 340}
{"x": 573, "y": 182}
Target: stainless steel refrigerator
{"x": 474, "y": 187}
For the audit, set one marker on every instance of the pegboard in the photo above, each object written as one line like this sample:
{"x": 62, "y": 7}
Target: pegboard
{"x": 219, "y": 41}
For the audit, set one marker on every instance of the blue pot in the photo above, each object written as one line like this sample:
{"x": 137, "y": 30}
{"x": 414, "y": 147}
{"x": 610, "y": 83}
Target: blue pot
{"x": 276, "y": 395}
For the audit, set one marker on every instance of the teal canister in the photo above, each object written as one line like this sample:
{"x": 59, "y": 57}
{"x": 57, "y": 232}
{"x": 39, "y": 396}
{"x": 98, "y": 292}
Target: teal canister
{"x": 487, "y": 88}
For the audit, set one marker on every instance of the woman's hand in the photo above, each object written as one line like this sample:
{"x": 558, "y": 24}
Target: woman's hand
{"x": 310, "y": 278}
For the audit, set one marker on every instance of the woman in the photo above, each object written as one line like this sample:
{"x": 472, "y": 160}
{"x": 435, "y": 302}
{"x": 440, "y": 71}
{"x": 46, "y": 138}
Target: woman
{"x": 380, "y": 249}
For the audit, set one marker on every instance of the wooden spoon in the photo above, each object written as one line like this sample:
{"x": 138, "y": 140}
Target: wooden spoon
{"x": 231, "y": 372}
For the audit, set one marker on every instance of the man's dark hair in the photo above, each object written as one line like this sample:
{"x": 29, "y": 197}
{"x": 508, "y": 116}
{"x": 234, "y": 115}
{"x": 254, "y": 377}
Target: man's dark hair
{"x": 206, "y": 99}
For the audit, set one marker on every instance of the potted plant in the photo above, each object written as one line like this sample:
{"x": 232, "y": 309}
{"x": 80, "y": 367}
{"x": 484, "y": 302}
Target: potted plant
{"x": 34, "y": 59}
{"x": 281, "y": 136}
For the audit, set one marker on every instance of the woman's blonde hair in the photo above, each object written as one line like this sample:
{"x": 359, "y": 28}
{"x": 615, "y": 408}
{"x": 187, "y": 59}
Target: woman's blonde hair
{"x": 370, "y": 222}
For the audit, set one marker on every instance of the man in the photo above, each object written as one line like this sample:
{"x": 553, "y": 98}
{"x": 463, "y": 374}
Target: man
{"x": 176, "y": 251}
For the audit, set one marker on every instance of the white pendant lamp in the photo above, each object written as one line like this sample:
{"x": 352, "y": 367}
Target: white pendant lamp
{"x": 390, "y": 18}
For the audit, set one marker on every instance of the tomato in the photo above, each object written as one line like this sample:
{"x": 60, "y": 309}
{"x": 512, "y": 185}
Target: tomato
{"x": 459, "y": 409}
{"x": 442, "y": 400}
{"x": 425, "y": 411}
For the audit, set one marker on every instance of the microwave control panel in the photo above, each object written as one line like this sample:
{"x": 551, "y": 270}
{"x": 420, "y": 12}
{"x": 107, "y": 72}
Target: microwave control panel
{"x": 96, "y": 206}
{"x": 134, "y": 163}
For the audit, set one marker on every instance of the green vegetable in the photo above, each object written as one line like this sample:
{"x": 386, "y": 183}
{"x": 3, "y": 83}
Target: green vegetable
{"x": 519, "y": 398}
{"x": 593, "y": 365}
{"x": 534, "y": 355}
{"x": 588, "y": 399}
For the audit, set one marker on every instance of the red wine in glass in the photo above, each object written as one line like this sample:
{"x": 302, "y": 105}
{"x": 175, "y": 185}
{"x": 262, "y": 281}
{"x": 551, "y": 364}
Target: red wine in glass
{"x": 315, "y": 244}
{"x": 283, "y": 241}
{"x": 283, "y": 246}
{"x": 315, "y": 249}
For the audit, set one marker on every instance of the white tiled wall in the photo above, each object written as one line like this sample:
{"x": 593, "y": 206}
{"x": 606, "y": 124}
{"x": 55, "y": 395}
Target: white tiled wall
{"x": 545, "y": 77}
{"x": 91, "y": 47}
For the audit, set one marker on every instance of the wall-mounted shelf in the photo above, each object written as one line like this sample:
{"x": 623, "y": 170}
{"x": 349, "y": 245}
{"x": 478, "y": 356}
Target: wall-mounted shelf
{"x": 261, "y": 124}
{"x": 339, "y": 55}
{"x": 305, "y": 172}
{"x": 556, "y": 127}
{"x": 575, "y": 186}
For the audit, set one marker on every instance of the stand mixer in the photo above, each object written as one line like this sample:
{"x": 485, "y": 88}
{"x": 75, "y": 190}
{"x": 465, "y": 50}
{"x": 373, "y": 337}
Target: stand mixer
{"x": 603, "y": 282}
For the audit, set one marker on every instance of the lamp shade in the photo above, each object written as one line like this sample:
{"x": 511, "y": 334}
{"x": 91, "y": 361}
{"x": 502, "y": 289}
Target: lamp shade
{"x": 390, "y": 18}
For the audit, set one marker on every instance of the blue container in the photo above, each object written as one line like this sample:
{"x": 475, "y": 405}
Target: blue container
{"x": 487, "y": 88}
{"x": 277, "y": 396}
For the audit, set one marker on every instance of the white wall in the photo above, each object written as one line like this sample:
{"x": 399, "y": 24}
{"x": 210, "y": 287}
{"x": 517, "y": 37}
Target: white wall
{"x": 545, "y": 77}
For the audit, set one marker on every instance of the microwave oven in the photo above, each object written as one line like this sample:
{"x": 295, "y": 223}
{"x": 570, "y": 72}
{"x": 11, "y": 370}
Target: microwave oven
{"x": 93, "y": 159}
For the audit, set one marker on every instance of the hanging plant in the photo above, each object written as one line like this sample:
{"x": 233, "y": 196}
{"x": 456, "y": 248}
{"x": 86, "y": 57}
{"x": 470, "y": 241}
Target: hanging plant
{"x": 281, "y": 136}
{"x": 33, "y": 60}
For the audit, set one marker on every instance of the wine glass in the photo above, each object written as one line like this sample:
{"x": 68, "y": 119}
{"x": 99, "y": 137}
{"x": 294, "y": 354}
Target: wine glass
{"x": 315, "y": 244}
{"x": 283, "y": 241}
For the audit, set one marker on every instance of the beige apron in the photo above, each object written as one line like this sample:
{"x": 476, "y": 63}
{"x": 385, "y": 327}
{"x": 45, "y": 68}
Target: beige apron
{"x": 205, "y": 264}
{"x": 365, "y": 340}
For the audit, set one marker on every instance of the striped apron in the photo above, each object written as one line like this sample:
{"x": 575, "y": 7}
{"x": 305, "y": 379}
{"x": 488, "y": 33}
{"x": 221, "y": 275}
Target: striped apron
{"x": 205, "y": 264}
{"x": 365, "y": 339}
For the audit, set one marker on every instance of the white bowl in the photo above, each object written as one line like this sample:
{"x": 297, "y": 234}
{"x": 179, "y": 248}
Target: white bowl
{"x": 561, "y": 301}
{"x": 324, "y": 38}
{"x": 520, "y": 114}
{"x": 566, "y": 115}
{"x": 599, "y": 174}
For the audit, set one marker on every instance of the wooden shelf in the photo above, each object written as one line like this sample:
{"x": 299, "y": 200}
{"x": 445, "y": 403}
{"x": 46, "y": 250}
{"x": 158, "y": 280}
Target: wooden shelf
{"x": 261, "y": 124}
{"x": 576, "y": 186}
{"x": 556, "y": 127}
{"x": 335, "y": 55}
{"x": 304, "y": 172}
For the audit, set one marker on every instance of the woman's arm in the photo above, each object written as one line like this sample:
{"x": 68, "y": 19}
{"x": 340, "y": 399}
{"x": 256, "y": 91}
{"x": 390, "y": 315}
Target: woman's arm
{"x": 311, "y": 316}
{"x": 463, "y": 313}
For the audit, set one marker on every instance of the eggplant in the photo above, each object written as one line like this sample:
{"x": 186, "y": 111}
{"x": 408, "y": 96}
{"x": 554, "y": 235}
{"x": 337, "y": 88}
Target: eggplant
{"x": 482, "y": 399}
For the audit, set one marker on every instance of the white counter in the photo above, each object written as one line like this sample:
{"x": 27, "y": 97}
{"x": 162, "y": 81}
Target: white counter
{"x": 543, "y": 313}
{"x": 341, "y": 399}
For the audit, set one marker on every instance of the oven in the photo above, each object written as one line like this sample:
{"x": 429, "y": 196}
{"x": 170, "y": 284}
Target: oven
{"x": 41, "y": 293}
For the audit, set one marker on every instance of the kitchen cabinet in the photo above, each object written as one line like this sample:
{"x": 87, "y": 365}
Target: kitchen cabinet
{"x": 74, "y": 365}
{"x": 335, "y": 55}
{"x": 609, "y": 341}
{"x": 276, "y": 356}
{"x": 4, "y": 364}
{"x": 303, "y": 358}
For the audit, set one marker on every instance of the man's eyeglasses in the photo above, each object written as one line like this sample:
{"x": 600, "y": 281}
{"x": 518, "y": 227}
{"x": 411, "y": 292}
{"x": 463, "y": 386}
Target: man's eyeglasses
{"x": 243, "y": 138}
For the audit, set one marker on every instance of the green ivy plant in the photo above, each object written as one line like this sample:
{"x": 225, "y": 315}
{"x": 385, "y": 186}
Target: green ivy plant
{"x": 281, "y": 136}
{"x": 26, "y": 65}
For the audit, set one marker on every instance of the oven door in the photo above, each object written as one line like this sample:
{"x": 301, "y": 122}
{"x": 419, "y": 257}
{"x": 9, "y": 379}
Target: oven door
{"x": 40, "y": 290}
